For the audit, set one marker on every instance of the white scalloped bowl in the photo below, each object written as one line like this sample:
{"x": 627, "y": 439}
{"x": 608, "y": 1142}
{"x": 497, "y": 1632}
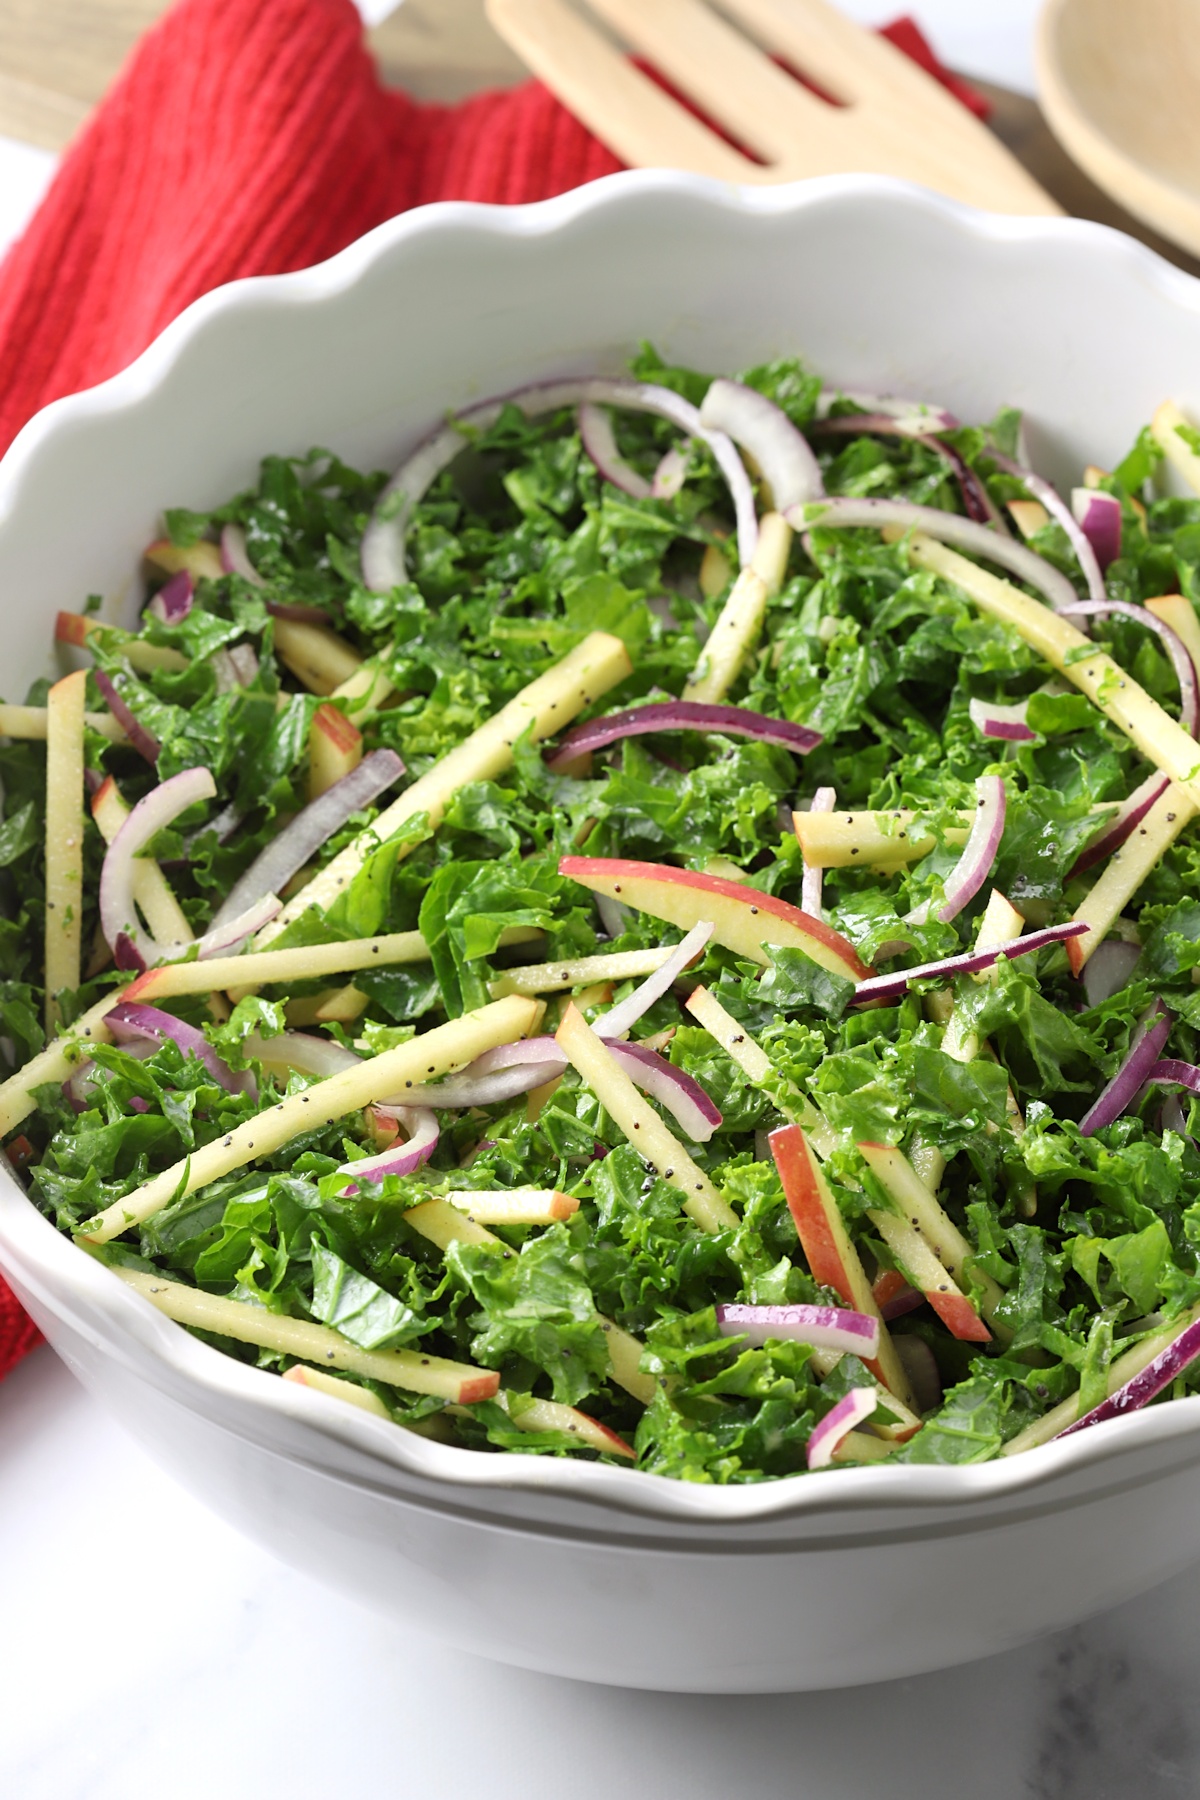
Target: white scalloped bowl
{"x": 577, "y": 1569}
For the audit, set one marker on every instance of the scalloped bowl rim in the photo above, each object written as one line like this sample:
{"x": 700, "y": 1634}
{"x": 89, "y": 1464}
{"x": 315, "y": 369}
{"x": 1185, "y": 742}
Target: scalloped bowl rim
{"x": 48, "y": 1262}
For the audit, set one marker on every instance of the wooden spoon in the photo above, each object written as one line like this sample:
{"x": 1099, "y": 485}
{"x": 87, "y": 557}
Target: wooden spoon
{"x": 1119, "y": 82}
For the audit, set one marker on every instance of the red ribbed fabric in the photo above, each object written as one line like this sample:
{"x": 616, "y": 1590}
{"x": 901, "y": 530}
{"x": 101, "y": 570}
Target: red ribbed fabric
{"x": 250, "y": 137}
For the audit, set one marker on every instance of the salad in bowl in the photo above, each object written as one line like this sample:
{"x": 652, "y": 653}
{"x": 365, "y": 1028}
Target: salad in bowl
{"x": 665, "y": 931}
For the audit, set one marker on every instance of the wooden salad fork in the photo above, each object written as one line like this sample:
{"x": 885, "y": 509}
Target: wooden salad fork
{"x": 884, "y": 115}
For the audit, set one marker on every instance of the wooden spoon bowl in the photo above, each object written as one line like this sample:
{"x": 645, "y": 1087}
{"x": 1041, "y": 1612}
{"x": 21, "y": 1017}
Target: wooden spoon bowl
{"x": 1119, "y": 82}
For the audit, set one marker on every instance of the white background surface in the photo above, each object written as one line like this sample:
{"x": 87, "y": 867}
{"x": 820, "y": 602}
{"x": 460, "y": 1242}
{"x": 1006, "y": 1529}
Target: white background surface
{"x": 148, "y": 1653}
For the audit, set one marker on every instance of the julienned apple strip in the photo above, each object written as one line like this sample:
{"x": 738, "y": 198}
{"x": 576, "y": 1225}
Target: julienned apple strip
{"x": 736, "y": 631}
{"x": 543, "y": 708}
{"x": 1161, "y": 739}
{"x": 920, "y": 1266}
{"x": 866, "y": 839}
{"x": 1126, "y": 869}
{"x": 441, "y": 1223}
{"x": 30, "y": 722}
{"x": 535, "y": 1415}
{"x": 55, "y": 1063}
{"x": 265, "y": 967}
{"x": 335, "y": 749}
{"x": 600, "y": 1070}
{"x": 64, "y": 839}
{"x": 1121, "y": 1370}
{"x": 924, "y": 1213}
{"x": 315, "y": 655}
{"x": 1171, "y": 431}
{"x": 251, "y": 1324}
{"x": 743, "y": 919}
{"x": 556, "y": 977}
{"x": 758, "y": 1068}
{"x": 833, "y": 1259}
{"x": 438, "y": 1052}
{"x": 77, "y": 628}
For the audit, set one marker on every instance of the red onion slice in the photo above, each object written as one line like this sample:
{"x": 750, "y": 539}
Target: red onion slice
{"x": 949, "y": 528}
{"x": 153, "y": 813}
{"x": 896, "y": 407}
{"x": 599, "y": 440}
{"x": 1107, "y": 969}
{"x": 1141, "y": 1388}
{"x": 812, "y": 882}
{"x": 824, "y": 1327}
{"x": 1130, "y": 1078}
{"x": 979, "y": 854}
{"x": 781, "y": 451}
{"x": 383, "y": 560}
{"x": 1173, "y": 644}
{"x": 1123, "y": 823}
{"x": 850, "y": 1412}
{"x": 1058, "y": 509}
{"x": 1098, "y": 516}
{"x": 173, "y": 601}
{"x": 683, "y": 715}
{"x": 992, "y": 720}
{"x": 1172, "y": 1073}
{"x": 308, "y": 1054}
{"x": 670, "y": 474}
{"x": 299, "y": 842}
{"x": 235, "y": 558}
{"x": 227, "y": 938}
{"x": 691, "y": 1108}
{"x": 131, "y": 1024}
{"x": 891, "y": 986}
{"x": 623, "y": 1017}
{"x": 471, "y": 1089}
{"x": 399, "y": 1159}
{"x": 244, "y": 658}
{"x": 143, "y": 741}
{"x": 977, "y": 502}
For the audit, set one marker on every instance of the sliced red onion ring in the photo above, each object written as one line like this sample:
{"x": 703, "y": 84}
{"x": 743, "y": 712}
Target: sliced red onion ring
{"x": 905, "y": 1300}
{"x": 1173, "y": 644}
{"x": 131, "y": 1024}
{"x": 670, "y": 474}
{"x": 624, "y": 1016}
{"x": 889, "y": 406}
{"x": 1056, "y": 506}
{"x": 1098, "y": 516}
{"x": 398, "y": 1159}
{"x": 1130, "y": 1078}
{"x": 1108, "y": 969}
{"x": 458, "y": 1092}
{"x": 1167, "y": 1366}
{"x": 992, "y": 720}
{"x": 949, "y": 528}
{"x": 143, "y": 741}
{"x": 849, "y": 1413}
{"x": 227, "y": 938}
{"x": 235, "y": 558}
{"x": 892, "y": 985}
{"x": 780, "y": 449}
{"x": 1172, "y": 1073}
{"x": 686, "y": 1101}
{"x": 812, "y": 882}
{"x": 383, "y": 561}
{"x": 173, "y": 601}
{"x": 1123, "y": 823}
{"x": 236, "y": 668}
{"x": 153, "y": 813}
{"x": 683, "y": 715}
{"x": 825, "y": 1327}
{"x": 977, "y": 502}
{"x": 599, "y": 440}
{"x": 299, "y": 842}
{"x": 683, "y": 1098}
{"x": 979, "y": 853}
{"x": 613, "y": 916}
{"x": 244, "y": 658}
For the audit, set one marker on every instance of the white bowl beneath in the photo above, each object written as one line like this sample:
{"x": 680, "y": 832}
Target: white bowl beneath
{"x": 578, "y": 1569}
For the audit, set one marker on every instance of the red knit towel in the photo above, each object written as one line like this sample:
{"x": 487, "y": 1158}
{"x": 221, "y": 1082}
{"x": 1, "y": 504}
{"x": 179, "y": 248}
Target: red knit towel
{"x": 250, "y": 137}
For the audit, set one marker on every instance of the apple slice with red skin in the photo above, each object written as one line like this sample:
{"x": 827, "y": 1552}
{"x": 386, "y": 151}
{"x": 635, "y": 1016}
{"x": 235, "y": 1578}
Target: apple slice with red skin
{"x": 743, "y": 919}
{"x": 832, "y": 1258}
{"x": 335, "y": 748}
{"x": 923, "y": 1269}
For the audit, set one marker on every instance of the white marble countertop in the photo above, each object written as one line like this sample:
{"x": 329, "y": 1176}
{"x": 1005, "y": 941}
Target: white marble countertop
{"x": 149, "y": 1653}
